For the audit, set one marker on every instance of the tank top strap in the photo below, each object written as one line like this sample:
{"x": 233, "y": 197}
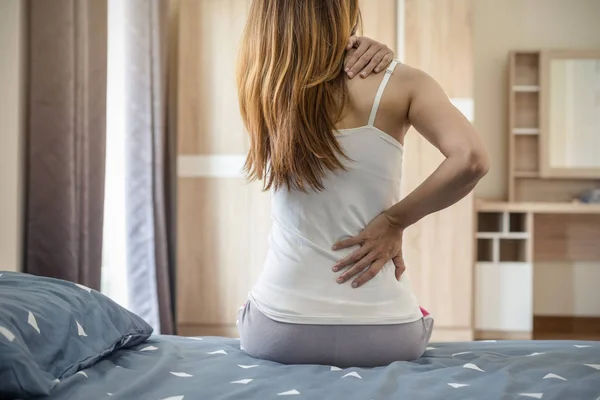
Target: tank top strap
{"x": 384, "y": 82}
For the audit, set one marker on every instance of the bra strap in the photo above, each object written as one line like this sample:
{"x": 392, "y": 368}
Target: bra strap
{"x": 384, "y": 82}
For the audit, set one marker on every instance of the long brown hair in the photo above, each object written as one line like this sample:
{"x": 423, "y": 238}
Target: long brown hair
{"x": 292, "y": 90}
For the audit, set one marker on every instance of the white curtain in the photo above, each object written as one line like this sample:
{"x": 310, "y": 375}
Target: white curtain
{"x": 138, "y": 162}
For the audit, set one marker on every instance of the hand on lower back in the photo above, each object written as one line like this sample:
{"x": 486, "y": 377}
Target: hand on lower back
{"x": 380, "y": 242}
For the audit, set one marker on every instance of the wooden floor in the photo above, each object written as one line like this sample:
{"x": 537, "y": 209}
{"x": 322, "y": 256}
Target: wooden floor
{"x": 566, "y": 328}
{"x": 566, "y": 336}
{"x": 551, "y": 328}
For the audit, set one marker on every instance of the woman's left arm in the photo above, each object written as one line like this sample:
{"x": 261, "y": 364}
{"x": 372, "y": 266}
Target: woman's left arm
{"x": 365, "y": 56}
{"x": 466, "y": 162}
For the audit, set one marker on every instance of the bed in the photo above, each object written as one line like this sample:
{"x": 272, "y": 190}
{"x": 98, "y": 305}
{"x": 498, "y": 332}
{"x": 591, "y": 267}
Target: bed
{"x": 64, "y": 341}
{"x": 179, "y": 368}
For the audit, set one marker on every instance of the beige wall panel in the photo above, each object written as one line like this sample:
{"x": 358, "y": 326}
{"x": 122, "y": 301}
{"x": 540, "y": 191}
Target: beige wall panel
{"x": 222, "y": 240}
{"x": 209, "y": 119}
{"x": 438, "y": 36}
{"x": 379, "y": 21}
{"x": 450, "y": 335}
{"x": 439, "y": 249}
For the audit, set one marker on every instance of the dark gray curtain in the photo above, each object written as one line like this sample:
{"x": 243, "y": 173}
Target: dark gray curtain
{"x": 65, "y": 139}
{"x": 148, "y": 161}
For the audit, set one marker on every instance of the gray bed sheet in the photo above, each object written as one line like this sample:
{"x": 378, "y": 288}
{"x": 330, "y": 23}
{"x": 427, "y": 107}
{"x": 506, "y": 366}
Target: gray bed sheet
{"x": 212, "y": 368}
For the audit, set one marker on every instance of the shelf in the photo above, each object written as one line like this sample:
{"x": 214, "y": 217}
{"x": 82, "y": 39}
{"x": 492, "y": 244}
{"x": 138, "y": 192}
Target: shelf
{"x": 526, "y": 174}
{"x": 542, "y": 208}
{"x": 526, "y": 69}
{"x": 503, "y": 249}
{"x": 485, "y": 251}
{"x": 502, "y": 237}
{"x": 502, "y": 225}
{"x": 517, "y": 223}
{"x": 526, "y": 131}
{"x": 513, "y": 250}
{"x": 525, "y": 110}
{"x": 526, "y": 155}
{"x": 526, "y": 88}
{"x": 490, "y": 223}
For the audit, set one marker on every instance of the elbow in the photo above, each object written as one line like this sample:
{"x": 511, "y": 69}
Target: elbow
{"x": 476, "y": 164}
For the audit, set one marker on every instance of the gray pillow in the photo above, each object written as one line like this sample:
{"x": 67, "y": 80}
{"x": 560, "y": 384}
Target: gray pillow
{"x": 50, "y": 329}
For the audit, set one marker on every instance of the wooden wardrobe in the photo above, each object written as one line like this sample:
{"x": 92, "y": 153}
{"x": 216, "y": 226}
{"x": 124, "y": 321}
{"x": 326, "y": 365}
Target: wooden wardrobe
{"x": 223, "y": 222}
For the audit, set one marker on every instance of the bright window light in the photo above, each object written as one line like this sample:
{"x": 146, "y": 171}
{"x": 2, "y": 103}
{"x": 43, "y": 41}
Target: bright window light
{"x": 114, "y": 253}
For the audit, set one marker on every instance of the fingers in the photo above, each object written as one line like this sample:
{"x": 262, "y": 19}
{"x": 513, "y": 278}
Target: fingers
{"x": 351, "y": 259}
{"x": 400, "y": 266}
{"x": 344, "y": 244}
{"x": 360, "y": 47}
{"x": 370, "y": 273}
{"x": 363, "y": 61}
{"x": 357, "y": 268}
{"x": 398, "y": 273}
{"x": 385, "y": 62}
{"x": 353, "y": 41}
{"x": 375, "y": 61}
{"x": 360, "y": 58}
{"x": 367, "y": 57}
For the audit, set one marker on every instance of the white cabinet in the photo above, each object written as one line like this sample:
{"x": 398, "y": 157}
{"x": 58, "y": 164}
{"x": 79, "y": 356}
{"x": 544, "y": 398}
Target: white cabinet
{"x": 503, "y": 274}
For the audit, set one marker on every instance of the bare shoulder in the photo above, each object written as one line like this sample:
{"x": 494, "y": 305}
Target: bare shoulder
{"x": 405, "y": 71}
{"x": 404, "y": 84}
{"x": 411, "y": 79}
{"x": 418, "y": 90}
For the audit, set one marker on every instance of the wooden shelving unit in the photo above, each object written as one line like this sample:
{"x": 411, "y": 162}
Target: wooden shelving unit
{"x": 526, "y": 94}
{"x": 539, "y": 224}
{"x": 524, "y": 105}
{"x": 510, "y": 239}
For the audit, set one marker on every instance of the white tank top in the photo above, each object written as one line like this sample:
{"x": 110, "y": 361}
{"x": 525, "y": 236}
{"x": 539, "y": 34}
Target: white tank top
{"x": 297, "y": 284}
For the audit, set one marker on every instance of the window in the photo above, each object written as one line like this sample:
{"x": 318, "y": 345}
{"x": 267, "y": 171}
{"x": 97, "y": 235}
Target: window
{"x": 114, "y": 252}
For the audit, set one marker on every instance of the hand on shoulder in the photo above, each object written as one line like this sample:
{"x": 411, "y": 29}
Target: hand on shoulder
{"x": 365, "y": 56}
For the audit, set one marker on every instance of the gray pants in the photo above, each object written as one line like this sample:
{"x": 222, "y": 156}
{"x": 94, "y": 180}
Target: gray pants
{"x": 336, "y": 345}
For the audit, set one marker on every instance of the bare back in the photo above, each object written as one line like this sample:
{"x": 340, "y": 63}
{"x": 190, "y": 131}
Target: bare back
{"x": 392, "y": 116}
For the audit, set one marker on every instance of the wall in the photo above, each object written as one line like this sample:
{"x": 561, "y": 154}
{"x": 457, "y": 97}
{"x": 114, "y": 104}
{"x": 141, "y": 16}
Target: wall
{"x": 500, "y": 27}
{"x": 11, "y": 124}
{"x": 578, "y": 284}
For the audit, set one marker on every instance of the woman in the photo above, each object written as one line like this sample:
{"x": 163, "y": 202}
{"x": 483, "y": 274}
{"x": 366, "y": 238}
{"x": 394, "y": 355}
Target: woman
{"x": 330, "y": 150}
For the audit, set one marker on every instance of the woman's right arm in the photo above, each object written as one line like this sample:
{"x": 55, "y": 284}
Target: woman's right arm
{"x": 466, "y": 162}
